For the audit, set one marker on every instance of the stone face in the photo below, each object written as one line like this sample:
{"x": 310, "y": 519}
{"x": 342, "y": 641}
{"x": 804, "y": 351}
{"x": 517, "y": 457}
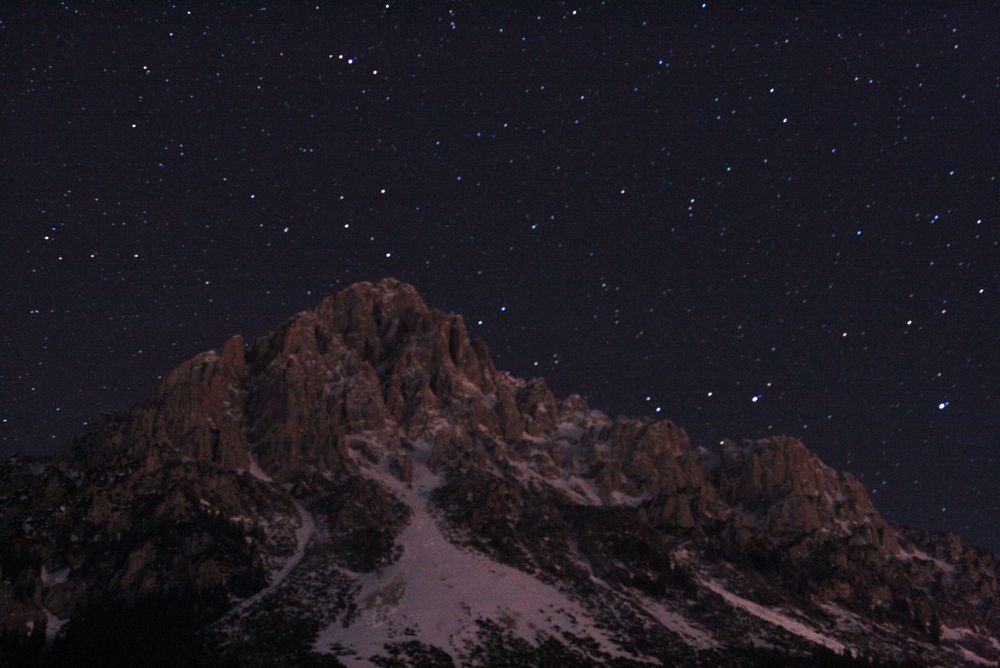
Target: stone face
{"x": 787, "y": 490}
{"x": 244, "y": 457}
{"x": 197, "y": 412}
{"x": 537, "y": 407}
{"x": 200, "y": 407}
{"x": 364, "y": 520}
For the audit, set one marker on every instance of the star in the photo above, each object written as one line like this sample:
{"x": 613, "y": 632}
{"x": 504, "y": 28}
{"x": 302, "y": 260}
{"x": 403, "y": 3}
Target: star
{"x": 604, "y": 202}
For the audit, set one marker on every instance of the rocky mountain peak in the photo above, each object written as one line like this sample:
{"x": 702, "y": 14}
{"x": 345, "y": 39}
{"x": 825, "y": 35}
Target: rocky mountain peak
{"x": 371, "y": 359}
{"x": 366, "y": 457}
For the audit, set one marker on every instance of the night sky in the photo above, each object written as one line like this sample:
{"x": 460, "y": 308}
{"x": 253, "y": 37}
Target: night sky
{"x": 751, "y": 219}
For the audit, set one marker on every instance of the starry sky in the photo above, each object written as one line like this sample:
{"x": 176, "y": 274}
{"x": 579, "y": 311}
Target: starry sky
{"x": 749, "y": 218}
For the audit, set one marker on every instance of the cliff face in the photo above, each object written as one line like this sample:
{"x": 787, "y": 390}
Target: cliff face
{"x": 318, "y": 478}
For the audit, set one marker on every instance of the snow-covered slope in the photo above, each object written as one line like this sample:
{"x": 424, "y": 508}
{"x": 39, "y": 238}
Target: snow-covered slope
{"x": 437, "y": 591}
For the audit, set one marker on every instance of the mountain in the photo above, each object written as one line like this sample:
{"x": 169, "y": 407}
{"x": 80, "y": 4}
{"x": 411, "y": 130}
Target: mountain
{"x": 363, "y": 487}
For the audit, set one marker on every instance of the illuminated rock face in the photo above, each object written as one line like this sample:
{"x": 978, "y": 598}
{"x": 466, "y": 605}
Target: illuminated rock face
{"x": 363, "y": 482}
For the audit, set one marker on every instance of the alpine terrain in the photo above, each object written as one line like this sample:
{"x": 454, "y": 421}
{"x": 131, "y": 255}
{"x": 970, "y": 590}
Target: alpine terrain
{"x": 363, "y": 487}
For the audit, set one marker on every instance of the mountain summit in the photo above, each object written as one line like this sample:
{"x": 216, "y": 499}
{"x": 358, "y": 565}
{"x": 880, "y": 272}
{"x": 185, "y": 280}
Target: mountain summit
{"x": 363, "y": 487}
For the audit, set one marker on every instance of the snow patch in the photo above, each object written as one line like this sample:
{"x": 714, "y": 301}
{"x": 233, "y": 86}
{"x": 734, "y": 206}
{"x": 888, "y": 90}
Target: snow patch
{"x": 626, "y": 500}
{"x": 53, "y": 625}
{"x": 694, "y": 636}
{"x": 256, "y": 471}
{"x": 941, "y": 563}
{"x": 774, "y": 617}
{"x": 948, "y": 633}
{"x": 436, "y": 591}
{"x": 917, "y": 553}
{"x": 960, "y": 634}
{"x": 975, "y": 658}
{"x": 584, "y": 490}
{"x": 303, "y": 534}
{"x": 55, "y": 577}
{"x": 570, "y": 431}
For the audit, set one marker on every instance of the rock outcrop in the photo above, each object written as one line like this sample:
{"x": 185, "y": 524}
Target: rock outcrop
{"x": 284, "y": 484}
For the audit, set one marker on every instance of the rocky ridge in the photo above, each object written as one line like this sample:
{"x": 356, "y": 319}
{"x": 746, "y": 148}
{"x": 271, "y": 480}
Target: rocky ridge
{"x": 363, "y": 486}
